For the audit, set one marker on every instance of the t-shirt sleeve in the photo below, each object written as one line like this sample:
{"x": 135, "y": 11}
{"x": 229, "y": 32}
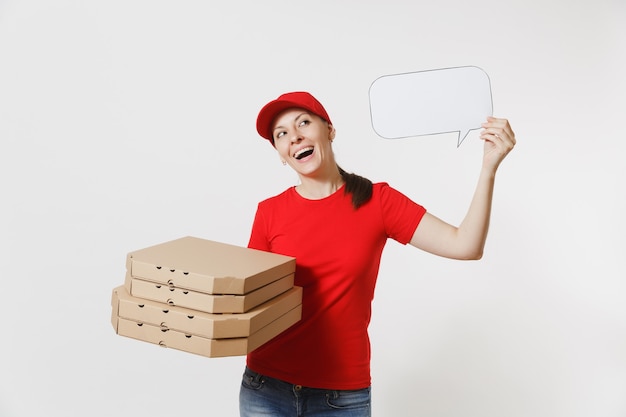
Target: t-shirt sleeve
{"x": 401, "y": 215}
{"x": 258, "y": 235}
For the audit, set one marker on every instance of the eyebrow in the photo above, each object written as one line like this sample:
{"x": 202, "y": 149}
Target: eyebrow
{"x": 304, "y": 113}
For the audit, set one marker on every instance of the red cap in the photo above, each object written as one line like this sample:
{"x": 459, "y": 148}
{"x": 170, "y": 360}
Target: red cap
{"x": 299, "y": 99}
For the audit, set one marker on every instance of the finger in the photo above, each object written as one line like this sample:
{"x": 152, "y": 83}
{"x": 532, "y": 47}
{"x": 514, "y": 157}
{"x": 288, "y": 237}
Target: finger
{"x": 495, "y": 134}
{"x": 496, "y": 123}
{"x": 503, "y": 131}
{"x": 499, "y": 139}
{"x": 500, "y": 127}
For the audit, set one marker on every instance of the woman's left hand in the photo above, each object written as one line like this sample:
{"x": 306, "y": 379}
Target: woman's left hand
{"x": 499, "y": 141}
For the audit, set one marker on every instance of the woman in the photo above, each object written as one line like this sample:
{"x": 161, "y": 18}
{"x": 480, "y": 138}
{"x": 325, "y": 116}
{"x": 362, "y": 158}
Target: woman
{"x": 336, "y": 224}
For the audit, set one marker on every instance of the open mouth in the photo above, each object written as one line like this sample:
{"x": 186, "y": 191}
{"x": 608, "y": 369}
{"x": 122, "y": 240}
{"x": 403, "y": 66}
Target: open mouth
{"x": 303, "y": 153}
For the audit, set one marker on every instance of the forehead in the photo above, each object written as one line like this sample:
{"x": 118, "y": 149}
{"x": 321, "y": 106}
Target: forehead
{"x": 288, "y": 115}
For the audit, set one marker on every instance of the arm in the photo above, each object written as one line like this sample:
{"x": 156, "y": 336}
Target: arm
{"x": 467, "y": 241}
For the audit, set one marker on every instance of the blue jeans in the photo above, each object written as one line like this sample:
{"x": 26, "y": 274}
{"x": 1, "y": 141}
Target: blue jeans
{"x": 264, "y": 396}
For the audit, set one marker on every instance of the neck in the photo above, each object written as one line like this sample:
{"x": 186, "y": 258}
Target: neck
{"x": 317, "y": 188}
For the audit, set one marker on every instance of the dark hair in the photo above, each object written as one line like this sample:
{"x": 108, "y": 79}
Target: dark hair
{"x": 358, "y": 186}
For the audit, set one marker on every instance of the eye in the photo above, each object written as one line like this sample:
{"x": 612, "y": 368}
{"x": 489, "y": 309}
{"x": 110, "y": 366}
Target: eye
{"x": 304, "y": 122}
{"x": 279, "y": 135}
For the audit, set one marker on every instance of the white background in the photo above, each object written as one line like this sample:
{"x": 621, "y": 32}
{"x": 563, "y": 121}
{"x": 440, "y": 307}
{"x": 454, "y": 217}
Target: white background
{"x": 128, "y": 123}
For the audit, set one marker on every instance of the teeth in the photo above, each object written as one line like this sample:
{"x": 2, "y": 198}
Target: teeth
{"x": 301, "y": 151}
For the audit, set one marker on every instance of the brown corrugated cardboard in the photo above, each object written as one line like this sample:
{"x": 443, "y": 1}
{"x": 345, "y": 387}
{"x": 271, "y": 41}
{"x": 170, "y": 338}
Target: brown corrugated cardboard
{"x": 201, "y": 345}
{"x": 212, "y": 326}
{"x": 207, "y": 266}
{"x": 209, "y": 303}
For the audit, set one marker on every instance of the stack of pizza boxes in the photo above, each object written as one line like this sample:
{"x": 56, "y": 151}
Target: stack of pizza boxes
{"x": 206, "y": 297}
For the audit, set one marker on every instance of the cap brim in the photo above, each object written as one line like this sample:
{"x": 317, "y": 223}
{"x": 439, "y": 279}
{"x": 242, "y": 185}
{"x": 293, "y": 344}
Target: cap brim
{"x": 269, "y": 112}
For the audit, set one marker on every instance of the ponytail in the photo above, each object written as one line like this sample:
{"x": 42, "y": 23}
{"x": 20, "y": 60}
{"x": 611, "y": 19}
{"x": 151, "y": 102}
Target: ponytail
{"x": 359, "y": 187}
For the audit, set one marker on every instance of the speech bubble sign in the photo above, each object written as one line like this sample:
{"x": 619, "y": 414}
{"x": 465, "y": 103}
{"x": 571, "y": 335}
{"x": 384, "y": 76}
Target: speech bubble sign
{"x": 430, "y": 102}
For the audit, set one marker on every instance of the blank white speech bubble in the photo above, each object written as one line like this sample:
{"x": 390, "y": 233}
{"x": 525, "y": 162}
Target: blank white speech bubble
{"x": 430, "y": 102}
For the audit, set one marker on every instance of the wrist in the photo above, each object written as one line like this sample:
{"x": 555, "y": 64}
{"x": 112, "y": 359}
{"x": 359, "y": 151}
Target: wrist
{"x": 488, "y": 173}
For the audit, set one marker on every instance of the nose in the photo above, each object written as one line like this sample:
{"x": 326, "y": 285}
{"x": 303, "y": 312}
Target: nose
{"x": 296, "y": 137}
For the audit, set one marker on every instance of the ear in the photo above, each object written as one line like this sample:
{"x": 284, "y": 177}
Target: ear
{"x": 331, "y": 132}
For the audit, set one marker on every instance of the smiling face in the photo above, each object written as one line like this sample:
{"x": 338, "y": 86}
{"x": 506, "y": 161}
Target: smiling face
{"x": 303, "y": 140}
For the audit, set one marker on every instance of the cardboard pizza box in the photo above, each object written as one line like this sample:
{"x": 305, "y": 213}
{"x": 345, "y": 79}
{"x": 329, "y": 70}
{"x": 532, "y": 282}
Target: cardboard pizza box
{"x": 207, "y": 266}
{"x": 201, "y": 345}
{"x": 208, "y": 303}
{"x": 212, "y": 326}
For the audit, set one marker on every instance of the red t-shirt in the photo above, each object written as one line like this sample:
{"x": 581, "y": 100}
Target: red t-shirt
{"x": 337, "y": 251}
